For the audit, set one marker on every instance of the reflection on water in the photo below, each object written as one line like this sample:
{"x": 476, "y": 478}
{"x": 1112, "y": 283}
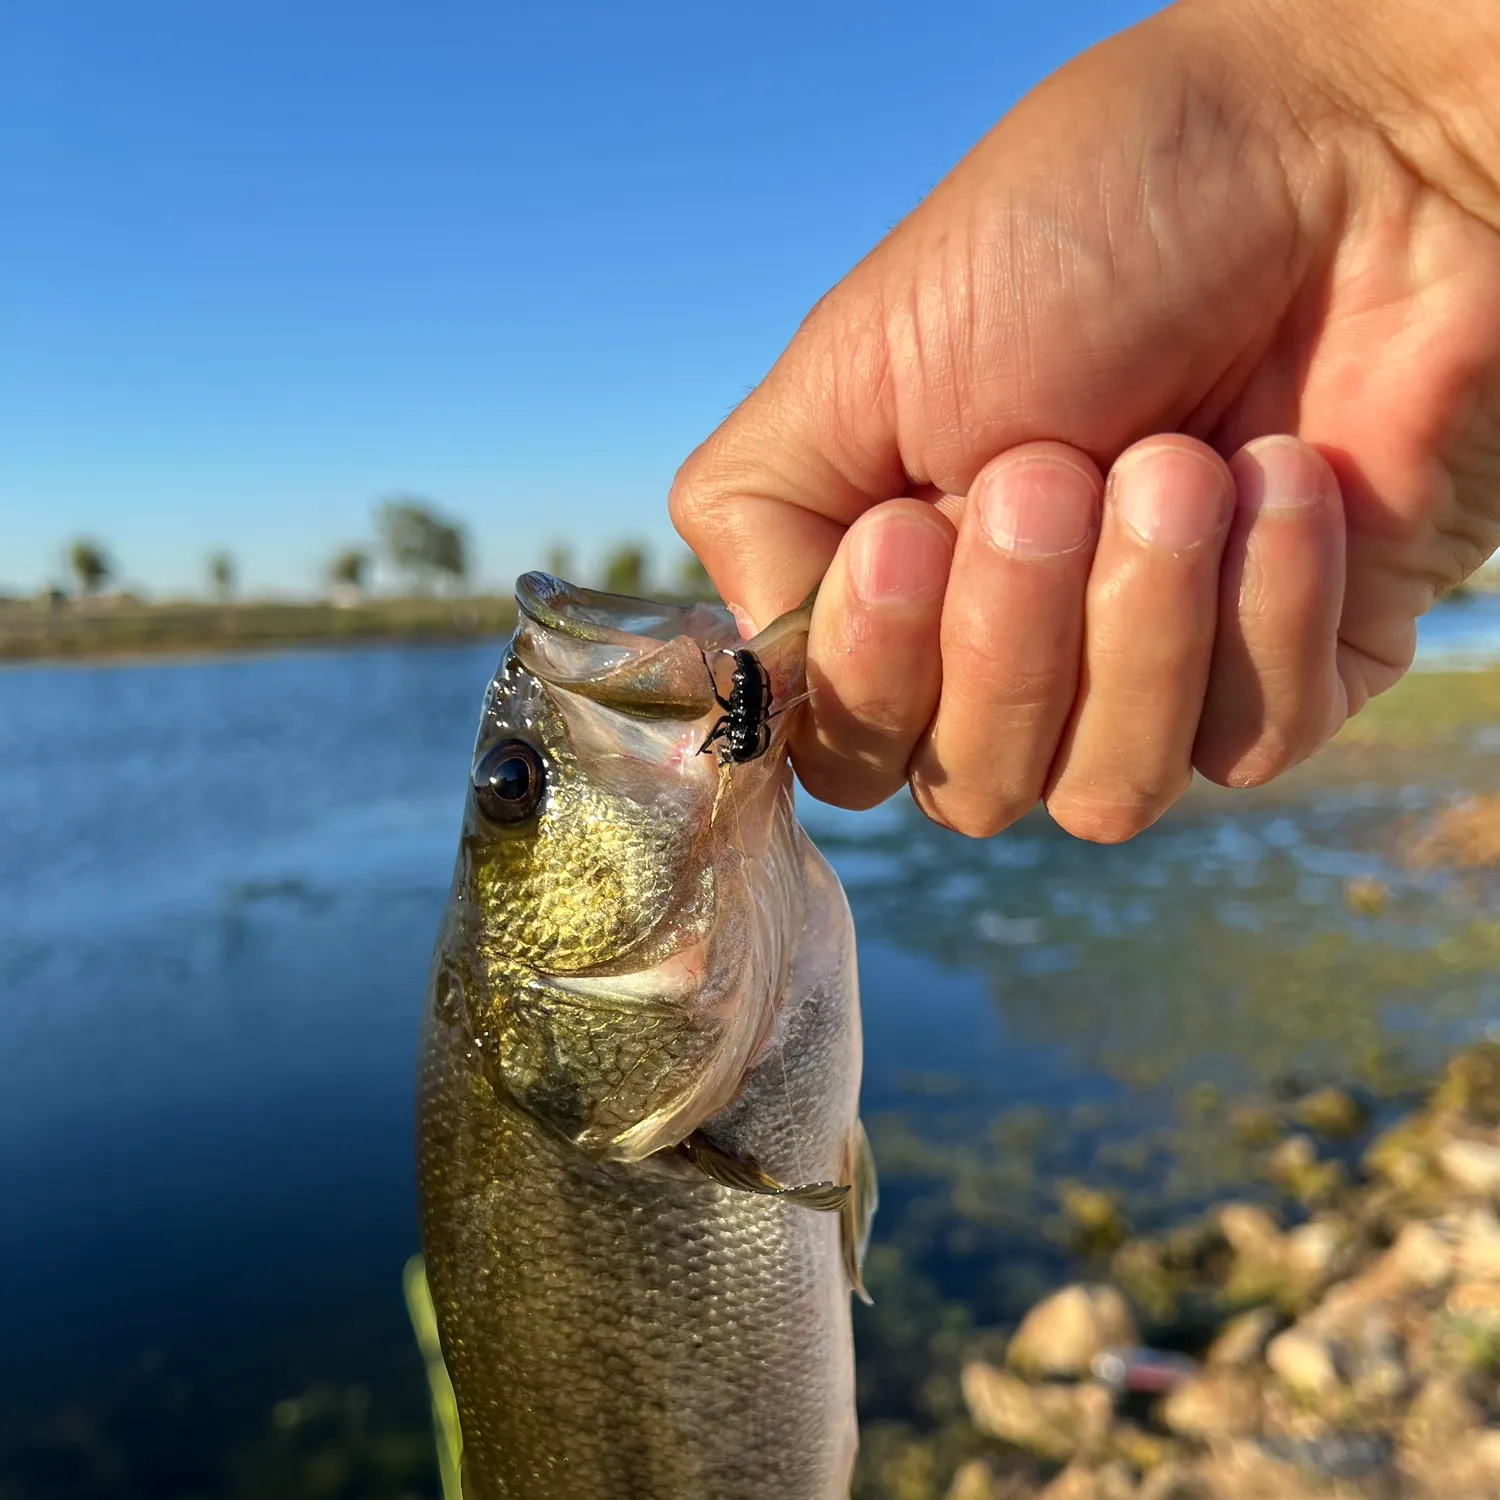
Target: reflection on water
{"x": 218, "y": 885}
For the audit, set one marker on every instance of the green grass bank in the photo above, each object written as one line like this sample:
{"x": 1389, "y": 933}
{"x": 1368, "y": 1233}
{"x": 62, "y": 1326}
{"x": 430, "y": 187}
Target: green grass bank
{"x": 116, "y": 628}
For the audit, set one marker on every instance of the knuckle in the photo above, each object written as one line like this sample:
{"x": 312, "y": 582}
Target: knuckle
{"x": 974, "y": 819}
{"x": 884, "y": 716}
{"x": 1275, "y": 751}
{"x": 1260, "y": 753}
{"x": 842, "y": 784}
{"x": 1108, "y": 820}
{"x": 1029, "y": 703}
{"x": 988, "y": 667}
{"x": 1098, "y": 825}
{"x": 688, "y": 500}
{"x": 875, "y": 728}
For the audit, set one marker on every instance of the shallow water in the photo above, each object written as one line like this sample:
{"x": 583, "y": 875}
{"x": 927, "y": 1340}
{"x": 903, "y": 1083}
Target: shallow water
{"x": 218, "y": 886}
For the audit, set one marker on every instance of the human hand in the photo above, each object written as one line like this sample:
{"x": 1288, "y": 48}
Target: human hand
{"x": 1244, "y": 258}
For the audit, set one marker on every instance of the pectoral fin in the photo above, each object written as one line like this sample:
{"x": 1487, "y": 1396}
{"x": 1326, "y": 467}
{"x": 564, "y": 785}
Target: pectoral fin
{"x": 857, "y": 1211}
{"x": 744, "y": 1174}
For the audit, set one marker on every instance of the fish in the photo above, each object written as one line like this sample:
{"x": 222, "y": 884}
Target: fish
{"x": 645, "y": 1193}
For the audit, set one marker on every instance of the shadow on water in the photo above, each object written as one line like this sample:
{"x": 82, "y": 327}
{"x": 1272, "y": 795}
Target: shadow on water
{"x": 218, "y": 886}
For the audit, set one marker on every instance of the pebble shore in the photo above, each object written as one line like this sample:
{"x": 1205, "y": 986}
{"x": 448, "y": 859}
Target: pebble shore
{"x": 1351, "y": 1350}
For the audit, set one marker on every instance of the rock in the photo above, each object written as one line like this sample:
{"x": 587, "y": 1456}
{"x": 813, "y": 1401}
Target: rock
{"x": 1061, "y": 1335}
{"x": 1074, "y": 1483}
{"x": 1254, "y": 1124}
{"x": 1441, "y": 1414}
{"x": 1422, "y": 1258}
{"x": 1093, "y": 1216}
{"x": 1295, "y": 1155}
{"x": 974, "y": 1480}
{"x": 1467, "y": 1336}
{"x": 1304, "y": 1361}
{"x": 1175, "y": 1482}
{"x": 1471, "y": 1085}
{"x": 1287, "y": 1269}
{"x": 1382, "y": 1377}
{"x": 1250, "y": 1230}
{"x": 1476, "y": 1302}
{"x": 1358, "y": 1337}
{"x": 1142, "y": 1450}
{"x": 1477, "y": 1245}
{"x": 1077, "y": 1482}
{"x": 1418, "y": 1264}
{"x": 1187, "y": 1246}
{"x": 1052, "y": 1421}
{"x": 1242, "y": 1340}
{"x": 1402, "y": 1155}
{"x": 1331, "y": 1113}
{"x": 1311, "y": 1251}
{"x": 1139, "y": 1267}
{"x": 1473, "y": 1166}
{"x": 1330, "y": 1455}
{"x": 907, "y": 1466}
{"x": 1217, "y": 1404}
{"x": 1484, "y": 1448}
{"x": 1114, "y": 1482}
{"x": 1294, "y": 1167}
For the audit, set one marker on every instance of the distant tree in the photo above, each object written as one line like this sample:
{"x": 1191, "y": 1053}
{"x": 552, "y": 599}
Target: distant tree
{"x": 558, "y": 560}
{"x": 625, "y": 569}
{"x": 90, "y": 564}
{"x": 420, "y": 542}
{"x": 350, "y": 569}
{"x": 221, "y": 574}
{"x": 693, "y": 582}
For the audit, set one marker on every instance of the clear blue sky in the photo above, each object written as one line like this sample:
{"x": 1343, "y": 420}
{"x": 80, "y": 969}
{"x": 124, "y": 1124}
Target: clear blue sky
{"x": 262, "y": 264}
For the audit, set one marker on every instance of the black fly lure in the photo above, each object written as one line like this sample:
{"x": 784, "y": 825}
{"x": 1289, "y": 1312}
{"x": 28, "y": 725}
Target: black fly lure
{"x": 743, "y": 730}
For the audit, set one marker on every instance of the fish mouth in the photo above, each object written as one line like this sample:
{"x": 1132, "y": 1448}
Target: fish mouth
{"x": 640, "y": 657}
{"x": 614, "y": 619}
{"x": 635, "y": 656}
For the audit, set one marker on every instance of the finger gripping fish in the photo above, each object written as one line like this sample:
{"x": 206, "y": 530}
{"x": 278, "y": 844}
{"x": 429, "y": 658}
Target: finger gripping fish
{"x": 645, "y": 1192}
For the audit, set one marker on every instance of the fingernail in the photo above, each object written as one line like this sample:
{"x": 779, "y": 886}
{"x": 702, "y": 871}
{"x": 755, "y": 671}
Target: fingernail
{"x": 898, "y": 559}
{"x": 1162, "y": 496}
{"x": 1036, "y": 507}
{"x": 1279, "y": 476}
{"x": 742, "y": 621}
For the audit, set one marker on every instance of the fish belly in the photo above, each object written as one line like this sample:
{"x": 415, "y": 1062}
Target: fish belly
{"x": 625, "y": 1332}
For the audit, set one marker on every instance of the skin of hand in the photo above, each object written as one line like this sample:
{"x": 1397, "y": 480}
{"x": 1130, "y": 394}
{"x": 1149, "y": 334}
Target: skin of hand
{"x": 1143, "y": 442}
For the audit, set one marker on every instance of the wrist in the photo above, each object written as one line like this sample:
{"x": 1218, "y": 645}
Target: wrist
{"x": 1424, "y": 73}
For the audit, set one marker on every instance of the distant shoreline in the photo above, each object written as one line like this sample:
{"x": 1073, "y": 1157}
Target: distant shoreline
{"x": 116, "y": 633}
{"x": 188, "y": 656}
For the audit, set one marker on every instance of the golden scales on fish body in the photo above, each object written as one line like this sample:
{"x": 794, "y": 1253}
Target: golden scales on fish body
{"x": 645, "y": 1190}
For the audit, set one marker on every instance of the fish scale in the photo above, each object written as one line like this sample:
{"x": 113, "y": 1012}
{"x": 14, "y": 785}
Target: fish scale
{"x": 616, "y": 1322}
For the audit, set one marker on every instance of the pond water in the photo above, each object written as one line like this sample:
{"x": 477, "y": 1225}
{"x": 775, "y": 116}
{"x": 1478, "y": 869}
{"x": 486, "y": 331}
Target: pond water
{"x": 1465, "y": 631}
{"x": 219, "y": 883}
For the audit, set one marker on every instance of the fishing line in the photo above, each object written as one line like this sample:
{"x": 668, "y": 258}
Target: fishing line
{"x": 778, "y": 1020}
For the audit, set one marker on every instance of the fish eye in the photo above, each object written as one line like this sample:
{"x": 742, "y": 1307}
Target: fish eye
{"x": 509, "y": 779}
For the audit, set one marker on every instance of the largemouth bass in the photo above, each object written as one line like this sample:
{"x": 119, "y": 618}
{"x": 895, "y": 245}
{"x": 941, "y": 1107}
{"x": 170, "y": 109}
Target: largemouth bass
{"x": 644, "y": 1188}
